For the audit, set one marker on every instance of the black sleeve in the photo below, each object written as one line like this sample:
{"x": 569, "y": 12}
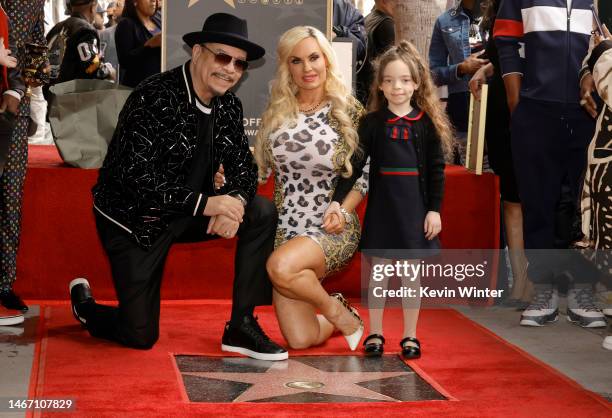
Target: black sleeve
{"x": 130, "y": 49}
{"x": 384, "y": 36}
{"x": 358, "y": 160}
{"x": 91, "y": 64}
{"x": 240, "y": 168}
{"x": 350, "y": 24}
{"x": 135, "y": 150}
{"x": 435, "y": 168}
{"x": 14, "y": 75}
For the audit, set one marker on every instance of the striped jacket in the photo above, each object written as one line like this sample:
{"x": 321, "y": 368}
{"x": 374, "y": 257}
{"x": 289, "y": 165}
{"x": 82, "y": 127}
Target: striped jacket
{"x": 545, "y": 41}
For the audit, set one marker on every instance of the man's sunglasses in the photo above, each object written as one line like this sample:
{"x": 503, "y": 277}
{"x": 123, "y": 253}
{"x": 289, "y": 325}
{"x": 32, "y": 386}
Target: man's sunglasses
{"x": 224, "y": 59}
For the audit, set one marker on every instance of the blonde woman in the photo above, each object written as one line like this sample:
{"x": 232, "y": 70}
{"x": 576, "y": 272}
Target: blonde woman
{"x": 307, "y": 139}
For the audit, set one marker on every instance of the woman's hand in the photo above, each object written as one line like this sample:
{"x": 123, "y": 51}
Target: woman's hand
{"x": 480, "y": 78}
{"x": 433, "y": 225}
{"x": 333, "y": 219}
{"x": 154, "y": 41}
{"x": 220, "y": 178}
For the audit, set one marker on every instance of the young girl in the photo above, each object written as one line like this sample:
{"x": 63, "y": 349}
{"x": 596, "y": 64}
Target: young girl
{"x": 407, "y": 137}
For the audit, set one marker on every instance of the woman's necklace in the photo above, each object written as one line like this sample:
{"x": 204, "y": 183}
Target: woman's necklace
{"x": 310, "y": 109}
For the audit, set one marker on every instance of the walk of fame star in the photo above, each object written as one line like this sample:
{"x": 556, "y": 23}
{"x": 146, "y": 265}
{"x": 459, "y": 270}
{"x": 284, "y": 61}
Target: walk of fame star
{"x": 302, "y": 379}
{"x": 230, "y": 2}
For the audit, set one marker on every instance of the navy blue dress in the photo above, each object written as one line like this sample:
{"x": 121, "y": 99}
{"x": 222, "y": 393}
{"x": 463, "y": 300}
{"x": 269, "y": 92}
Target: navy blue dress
{"x": 395, "y": 214}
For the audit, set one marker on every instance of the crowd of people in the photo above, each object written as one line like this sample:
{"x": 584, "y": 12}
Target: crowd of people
{"x": 547, "y": 138}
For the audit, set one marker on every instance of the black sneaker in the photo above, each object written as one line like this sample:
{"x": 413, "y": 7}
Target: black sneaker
{"x": 80, "y": 299}
{"x": 11, "y": 301}
{"x": 250, "y": 340}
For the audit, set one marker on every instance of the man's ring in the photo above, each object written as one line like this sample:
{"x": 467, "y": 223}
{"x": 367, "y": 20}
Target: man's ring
{"x": 226, "y": 233}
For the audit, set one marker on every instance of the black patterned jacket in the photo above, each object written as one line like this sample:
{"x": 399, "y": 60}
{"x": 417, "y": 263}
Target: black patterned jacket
{"x": 142, "y": 185}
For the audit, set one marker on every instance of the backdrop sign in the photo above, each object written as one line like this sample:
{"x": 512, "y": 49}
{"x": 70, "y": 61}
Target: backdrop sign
{"x": 267, "y": 21}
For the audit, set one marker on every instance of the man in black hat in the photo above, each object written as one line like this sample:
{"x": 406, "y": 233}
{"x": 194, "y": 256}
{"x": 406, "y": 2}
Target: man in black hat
{"x": 156, "y": 187}
{"x": 74, "y": 46}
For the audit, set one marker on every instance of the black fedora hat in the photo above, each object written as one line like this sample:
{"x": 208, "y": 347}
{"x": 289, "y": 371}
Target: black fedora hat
{"x": 226, "y": 29}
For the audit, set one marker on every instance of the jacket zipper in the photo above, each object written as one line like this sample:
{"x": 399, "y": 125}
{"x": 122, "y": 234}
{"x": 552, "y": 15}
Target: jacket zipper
{"x": 567, "y": 36}
{"x": 212, "y": 148}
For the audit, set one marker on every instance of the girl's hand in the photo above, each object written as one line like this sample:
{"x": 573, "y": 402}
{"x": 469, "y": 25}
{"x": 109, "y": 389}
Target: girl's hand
{"x": 220, "y": 178}
{"x": 433, "y": 225}
{"x": 333, "y": 219}
{"x": 5, "y": 56}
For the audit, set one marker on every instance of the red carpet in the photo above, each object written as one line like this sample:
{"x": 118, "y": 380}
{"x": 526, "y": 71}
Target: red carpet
{"x": 59, "y": 240}
{"x": 482, "y": 373}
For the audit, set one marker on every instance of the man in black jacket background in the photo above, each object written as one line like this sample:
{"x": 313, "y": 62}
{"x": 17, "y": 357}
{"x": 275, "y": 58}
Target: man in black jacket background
{"x": 156, "y": 187}
{"x": 81, "y": 58}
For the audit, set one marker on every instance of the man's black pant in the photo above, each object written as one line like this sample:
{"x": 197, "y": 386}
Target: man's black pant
{"x": 549, "y": 143}
{"x": 137, "y": 273}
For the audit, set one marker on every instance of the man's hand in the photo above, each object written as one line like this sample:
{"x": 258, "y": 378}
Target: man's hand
{"x": 9, "y": 103}
{"x": 433, "y": 225}
{"x": 223, "y": 226}
{"x": 5, "y": 56}
{"x": 224, "y": 205}
{"x": 587, "y": 87}
{"x": 220, "y": 178}
{"x": 333, "y": 219}
{"x": 472, "y": 64}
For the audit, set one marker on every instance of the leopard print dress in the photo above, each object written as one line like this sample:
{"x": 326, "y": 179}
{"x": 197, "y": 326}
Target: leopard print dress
{"x": 308, "y": 154}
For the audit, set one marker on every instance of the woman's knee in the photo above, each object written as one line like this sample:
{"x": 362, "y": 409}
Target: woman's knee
{"x": 298, "y": 341}
{"x": 279, "y": 271}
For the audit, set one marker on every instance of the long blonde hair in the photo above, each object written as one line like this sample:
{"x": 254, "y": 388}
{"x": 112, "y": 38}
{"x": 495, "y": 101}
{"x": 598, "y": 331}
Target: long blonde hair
{"x": 425, "y": 97}
{"x": 283, "y": 105}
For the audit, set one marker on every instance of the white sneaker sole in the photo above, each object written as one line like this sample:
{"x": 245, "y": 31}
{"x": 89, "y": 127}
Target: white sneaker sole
{"x": 533, "y": 323}
{"x": 11, "y": 320}
{"x": 594, "y": 324}
{"x": 254, "y": 354}
{"x": 607, "y": 343}
{"x": 73, "y": 283}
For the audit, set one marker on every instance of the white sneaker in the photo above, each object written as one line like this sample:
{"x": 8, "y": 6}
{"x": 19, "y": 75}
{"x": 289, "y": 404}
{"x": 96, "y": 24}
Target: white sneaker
{"x": 544, "y": 308}
{"x": 10, "y": 316}
{"x": 607, "y": 342}
{"x": 581, "y": 308}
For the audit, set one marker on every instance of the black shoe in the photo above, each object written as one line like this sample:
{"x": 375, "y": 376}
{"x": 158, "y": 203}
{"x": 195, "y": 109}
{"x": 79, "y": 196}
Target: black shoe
{"x": 374, "y": 349}
{"x": 80, "y": 299}
{"x": 410, "y": 352}
{"x": 249, "y": 339}
{"x": 11, "y": 301}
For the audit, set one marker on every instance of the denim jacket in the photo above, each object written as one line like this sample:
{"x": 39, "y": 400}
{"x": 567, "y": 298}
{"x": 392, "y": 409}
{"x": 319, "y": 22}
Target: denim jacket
{"x": 450, "y": 45}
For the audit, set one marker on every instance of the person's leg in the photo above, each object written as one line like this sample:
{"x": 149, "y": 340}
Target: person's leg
{"x": 580, "y": 300}
{"x": 252, "y": 286}
{"x": 294, "y": 269}
{"x": 11, "y": 199}
{"x": 299, "y": 322}
{"x": 137, "y": 276}
{"x": 242, "y": 334}
{"x": 411, "y": 306}
{"x": 538, "y": 130}
{"x": 376, "y": 305}
{"x": 513, "y": 223}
